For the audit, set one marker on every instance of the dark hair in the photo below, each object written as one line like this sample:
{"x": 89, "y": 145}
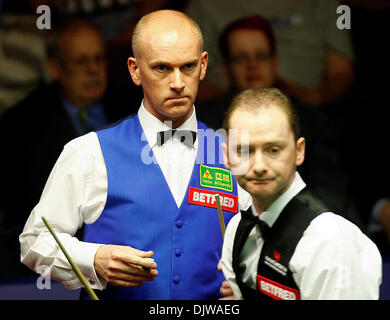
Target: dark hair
{"x": 254, "y": 22}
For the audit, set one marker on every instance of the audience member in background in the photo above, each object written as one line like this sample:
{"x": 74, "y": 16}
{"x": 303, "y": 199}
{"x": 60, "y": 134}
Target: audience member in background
{"x": 250, "y": 60}
{"x": 33, "y": 133}
{"x": 316, "y": 58}
{"x": 116, "y": 19}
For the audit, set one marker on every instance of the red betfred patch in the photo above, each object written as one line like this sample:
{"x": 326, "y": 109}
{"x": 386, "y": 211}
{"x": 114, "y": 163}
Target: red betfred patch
{"x": 206, "y": 198}
{"x": 276, "y": 290}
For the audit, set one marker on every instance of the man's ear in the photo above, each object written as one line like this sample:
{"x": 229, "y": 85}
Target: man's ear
{"x": 225, "y": 156}
{"x": 132, "y": 65}
{"x": 301, "y": 146}
{"x": 203, "y": 64}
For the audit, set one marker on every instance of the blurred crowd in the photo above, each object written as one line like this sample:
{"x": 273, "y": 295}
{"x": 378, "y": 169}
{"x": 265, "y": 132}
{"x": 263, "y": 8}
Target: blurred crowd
{"x": 60, "y": 83}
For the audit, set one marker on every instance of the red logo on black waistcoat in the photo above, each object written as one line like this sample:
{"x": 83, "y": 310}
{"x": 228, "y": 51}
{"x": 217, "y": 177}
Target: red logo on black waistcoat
{"x": 277, "y": 255}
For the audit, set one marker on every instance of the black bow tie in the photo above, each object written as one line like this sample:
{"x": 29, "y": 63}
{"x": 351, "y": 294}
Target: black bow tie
{"x": 263, "y": 226}
{"x": 187, "y": 137}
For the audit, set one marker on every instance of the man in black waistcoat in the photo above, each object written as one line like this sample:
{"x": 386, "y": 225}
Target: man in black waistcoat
{"x": 288, "y": 245}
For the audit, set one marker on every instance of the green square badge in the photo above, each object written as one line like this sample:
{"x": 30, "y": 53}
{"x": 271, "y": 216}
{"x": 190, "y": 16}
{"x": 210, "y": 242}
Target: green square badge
{"x": 217, "y": 178}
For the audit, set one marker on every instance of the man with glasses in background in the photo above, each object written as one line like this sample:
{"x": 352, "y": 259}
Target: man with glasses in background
{"x": 33, "y": 133}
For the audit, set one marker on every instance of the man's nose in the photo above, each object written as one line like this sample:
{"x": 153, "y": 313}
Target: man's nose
{"x": 177, "y": 83}
{"x": 252, "y": 62}
{"x": 259, "y": 163}
{"x": 94, "y": 66}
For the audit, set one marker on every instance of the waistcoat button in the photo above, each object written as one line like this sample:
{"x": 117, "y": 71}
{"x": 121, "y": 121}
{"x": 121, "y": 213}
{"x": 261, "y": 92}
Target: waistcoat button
{"x": 176, "y": 279}
{"x": 179, "y": 223}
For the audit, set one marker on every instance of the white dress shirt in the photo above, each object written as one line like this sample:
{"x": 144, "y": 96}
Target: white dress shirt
{"x": 76, "y": 192}
{"x": 175, "y": 158}
{"x": 333, "y": 259}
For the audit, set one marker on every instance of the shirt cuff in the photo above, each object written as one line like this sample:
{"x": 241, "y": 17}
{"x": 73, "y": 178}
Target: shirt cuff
{"x": 84, "y": 257}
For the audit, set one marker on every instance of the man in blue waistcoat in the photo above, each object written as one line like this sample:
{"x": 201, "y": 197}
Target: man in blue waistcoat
{"x": 144, "y": 187}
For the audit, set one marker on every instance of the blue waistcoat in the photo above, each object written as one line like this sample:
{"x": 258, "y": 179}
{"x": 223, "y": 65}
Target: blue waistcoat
{"x": 141, "y": 212}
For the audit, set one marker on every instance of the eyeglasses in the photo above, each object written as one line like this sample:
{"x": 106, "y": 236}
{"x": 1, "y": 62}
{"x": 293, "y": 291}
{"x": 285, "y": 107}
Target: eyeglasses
{"x": 245, "y": 58}
{"x": 85, "y": 61}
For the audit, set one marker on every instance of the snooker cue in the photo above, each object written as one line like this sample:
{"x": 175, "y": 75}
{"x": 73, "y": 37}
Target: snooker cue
{"x": 220, "y": 215}
{"x": 76, "y": 269}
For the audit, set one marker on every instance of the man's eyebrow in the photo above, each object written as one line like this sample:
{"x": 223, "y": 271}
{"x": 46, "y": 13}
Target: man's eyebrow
{"x": 160, "y": 61}
{"x": 274, "y": 142}
{"x": 192, "y": 60}
{"x": 267, "y": 144}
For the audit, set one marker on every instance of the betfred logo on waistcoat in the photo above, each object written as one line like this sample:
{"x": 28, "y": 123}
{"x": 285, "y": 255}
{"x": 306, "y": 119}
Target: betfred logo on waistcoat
{"x": 276, "y": 290}
{"x": 206, "y": 198}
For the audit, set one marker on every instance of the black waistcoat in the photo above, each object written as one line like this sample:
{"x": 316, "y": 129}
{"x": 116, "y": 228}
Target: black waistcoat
{"x": 274, "y": 278}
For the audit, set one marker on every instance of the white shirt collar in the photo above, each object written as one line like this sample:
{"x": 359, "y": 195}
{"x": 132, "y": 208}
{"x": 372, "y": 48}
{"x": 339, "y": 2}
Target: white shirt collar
{"x": 273, "y": 211}
{"x": 151, "y": 125}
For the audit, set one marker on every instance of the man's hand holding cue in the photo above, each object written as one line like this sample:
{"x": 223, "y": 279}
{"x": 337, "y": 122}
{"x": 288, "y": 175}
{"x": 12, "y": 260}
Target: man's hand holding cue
{"x": 124, "y": 265}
